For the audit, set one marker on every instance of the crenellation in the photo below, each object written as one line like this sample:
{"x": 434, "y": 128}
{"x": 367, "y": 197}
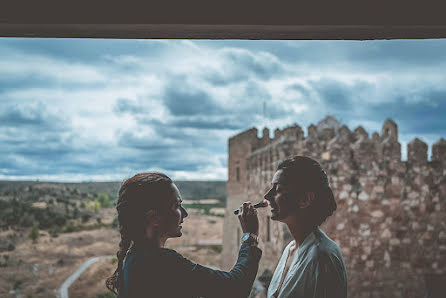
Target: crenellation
{"x": 277, "y": 133}
{"x": 390, "y": 212}
{"x": 360, "y": 133}
{"x": 417, "y": 152}
{"x": 312, "y": 132}
{"x": 439, "y": 151}
{"x": 389, "y": 130}
{"x": 265, "y": 137}
{"x": 345, "y": 134}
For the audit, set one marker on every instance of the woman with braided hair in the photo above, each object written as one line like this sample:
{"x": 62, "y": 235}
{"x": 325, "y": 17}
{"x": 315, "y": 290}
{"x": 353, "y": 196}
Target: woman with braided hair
{"x": 149, "y": 212}
{"x": 311, "y": 265}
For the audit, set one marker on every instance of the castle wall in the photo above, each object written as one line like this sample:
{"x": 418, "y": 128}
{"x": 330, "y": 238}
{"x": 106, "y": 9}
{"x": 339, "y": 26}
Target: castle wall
{"x": 238, "y": 147}
{"x": 390, "y": 222}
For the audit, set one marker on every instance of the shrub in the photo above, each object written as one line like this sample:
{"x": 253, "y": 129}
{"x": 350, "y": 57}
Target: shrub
{"x": 114, "y": 260}
{"x": 85, "y": 217}
{"x": 34, "y": 233}
{"x": 105, "y": 201}
{"x": 70, "y": 227}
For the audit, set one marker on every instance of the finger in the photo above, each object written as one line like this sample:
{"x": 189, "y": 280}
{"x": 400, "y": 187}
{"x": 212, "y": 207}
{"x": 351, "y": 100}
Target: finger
{"x": 245, "y": 207}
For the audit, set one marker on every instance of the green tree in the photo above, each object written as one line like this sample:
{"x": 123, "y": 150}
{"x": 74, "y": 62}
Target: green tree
{"x": 105, "y": 200}
{"x": 96, "y": 205}
{"x": 34, "y": 233}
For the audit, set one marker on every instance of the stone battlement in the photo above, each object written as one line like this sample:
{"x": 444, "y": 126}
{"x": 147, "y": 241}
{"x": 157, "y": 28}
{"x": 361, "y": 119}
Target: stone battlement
{"x": 328, "y": 132}
{"x": 390, "y": 218}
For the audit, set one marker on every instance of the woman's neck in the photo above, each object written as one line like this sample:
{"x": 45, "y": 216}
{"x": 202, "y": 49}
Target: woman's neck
{"x": 150, "y": 243}
{"x": 155, "y": 239}
{"x": 299, "y": 231}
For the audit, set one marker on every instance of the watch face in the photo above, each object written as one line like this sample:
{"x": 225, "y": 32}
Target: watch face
{"x": 245, "y": 236}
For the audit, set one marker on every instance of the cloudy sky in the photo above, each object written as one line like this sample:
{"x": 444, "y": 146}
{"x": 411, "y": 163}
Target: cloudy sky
{"x": 100, "y": 110}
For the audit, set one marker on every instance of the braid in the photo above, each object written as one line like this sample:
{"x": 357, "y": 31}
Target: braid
{"x": 131, "y": 205}
{"x": 114, "y": 282}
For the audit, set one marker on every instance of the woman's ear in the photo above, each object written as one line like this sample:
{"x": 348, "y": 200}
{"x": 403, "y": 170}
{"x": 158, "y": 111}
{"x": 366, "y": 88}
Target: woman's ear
{"x": 152, "y": 218}
{"x": 306, "y": 200}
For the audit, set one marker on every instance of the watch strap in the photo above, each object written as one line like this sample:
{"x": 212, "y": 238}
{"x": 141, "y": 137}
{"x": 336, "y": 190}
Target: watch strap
{"x": 253, "y": 239}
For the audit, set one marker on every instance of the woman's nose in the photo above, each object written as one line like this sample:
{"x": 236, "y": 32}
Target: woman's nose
{"x": 267, "y": 196}
{"x": 185, "y": 214}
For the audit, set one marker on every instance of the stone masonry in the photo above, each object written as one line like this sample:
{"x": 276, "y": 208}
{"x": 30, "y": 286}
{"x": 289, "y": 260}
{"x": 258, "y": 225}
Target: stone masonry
{"x": 390, "y": 222}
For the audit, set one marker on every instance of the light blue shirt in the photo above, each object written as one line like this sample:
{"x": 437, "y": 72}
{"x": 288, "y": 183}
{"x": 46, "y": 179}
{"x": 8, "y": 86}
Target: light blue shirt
{"x": 317, "y": 270}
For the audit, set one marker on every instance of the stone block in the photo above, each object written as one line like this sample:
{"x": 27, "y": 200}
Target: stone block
{"x": 363, "y": 196}
{"x": 386, "y": 234}
{"x": 343, "y": 195}
{"x": 377, "y": 213}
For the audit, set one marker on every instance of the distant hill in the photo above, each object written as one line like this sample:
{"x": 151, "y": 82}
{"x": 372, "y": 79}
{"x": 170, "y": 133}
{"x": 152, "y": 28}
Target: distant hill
{"x": 190, "y": 190}
{"x": 65, "y": 207}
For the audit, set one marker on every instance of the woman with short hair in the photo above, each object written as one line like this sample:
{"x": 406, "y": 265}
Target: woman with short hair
{"x": 312, "y": 265}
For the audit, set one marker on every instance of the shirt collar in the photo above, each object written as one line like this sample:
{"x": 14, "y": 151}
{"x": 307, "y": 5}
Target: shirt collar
{"x": 309, "y": 240}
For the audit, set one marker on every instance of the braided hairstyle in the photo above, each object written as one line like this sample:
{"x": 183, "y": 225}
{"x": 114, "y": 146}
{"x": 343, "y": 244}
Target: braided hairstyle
{"x": 307, "y": 175}
{"x": 137, "y": 195}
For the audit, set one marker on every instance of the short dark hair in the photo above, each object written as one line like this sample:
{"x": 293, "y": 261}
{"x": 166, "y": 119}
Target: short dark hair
{"x": 307, "y": 175}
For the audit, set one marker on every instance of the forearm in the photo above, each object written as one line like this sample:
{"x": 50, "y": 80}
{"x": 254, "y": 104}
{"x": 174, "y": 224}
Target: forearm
{"x": 235, "y": 283}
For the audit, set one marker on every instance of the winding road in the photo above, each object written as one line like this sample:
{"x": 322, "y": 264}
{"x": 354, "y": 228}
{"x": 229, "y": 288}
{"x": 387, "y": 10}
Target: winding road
{"x": 63, "y": 290}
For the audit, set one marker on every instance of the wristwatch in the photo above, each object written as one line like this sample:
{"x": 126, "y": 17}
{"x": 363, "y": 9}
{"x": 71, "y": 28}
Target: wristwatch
{"x": 250, "y": 238}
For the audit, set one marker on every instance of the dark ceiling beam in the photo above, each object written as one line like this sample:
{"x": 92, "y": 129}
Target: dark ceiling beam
{"x": 193, "y": 31}
{"x": 212, "y": 19}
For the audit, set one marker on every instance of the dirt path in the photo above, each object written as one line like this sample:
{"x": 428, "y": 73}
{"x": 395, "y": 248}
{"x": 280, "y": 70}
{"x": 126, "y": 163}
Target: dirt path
{"x": 63, "y": 290}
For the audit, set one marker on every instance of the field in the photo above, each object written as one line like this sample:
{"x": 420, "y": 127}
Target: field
{"x": 35, "y": 260}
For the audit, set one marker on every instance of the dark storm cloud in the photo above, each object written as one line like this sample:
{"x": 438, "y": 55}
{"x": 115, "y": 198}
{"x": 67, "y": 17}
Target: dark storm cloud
{"x": 403, "y": 52}
{"x": 123, "y": 105}
{"x": 220, "y": 78}
{"x": 149, "y": 143}
{"x": 299, "y": 88}
{"x": 209, "y": 123}
{"x": 36, "y": 154}
{"x": 200, "y": 102}
{"x": 240, "y": 65}
{"x": 170, "y": 159}
{"x": 415, "y": 111}
{"x": 34, "y": 81}
{"x": 162, "y": 151}
{"x": 255, "y": 91}
{"x": 338, "y": 96}
{"x": 34, "y": 117}
{"x": 423, "y": 117}
{"x": 183, "y": 99}
{"x": 33, "y": 139}
{"x": 179, "y": 133}
{"x": 377, "y": 54}
{"x": 262, "y": 65}
{"x": 80, "y": 50}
